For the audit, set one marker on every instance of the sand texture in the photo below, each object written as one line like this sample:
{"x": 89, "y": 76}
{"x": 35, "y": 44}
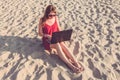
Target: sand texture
{"x": 95, "y": 41}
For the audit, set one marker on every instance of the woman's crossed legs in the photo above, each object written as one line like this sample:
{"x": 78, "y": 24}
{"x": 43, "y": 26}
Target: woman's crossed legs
{"x": 67, "y": 57}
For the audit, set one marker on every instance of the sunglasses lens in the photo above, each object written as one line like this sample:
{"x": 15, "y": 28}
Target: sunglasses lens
{"x": 51, "y": 15}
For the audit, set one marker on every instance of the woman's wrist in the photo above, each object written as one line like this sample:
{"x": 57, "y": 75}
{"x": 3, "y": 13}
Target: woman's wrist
{"x": 44, "y": 35}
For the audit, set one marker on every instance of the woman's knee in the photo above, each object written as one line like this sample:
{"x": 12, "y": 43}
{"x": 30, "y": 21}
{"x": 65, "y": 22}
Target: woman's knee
{"x": 54, "y": 45}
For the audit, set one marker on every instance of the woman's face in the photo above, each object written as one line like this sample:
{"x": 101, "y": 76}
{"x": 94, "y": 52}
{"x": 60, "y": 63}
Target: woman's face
{"x": 51, "y": 15}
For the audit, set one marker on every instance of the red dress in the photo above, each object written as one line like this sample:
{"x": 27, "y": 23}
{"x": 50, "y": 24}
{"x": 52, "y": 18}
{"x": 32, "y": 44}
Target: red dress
{"x": 47, "y": 29}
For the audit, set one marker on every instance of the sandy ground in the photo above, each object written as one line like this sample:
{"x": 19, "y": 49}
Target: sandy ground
{"x": 96, "y": 25}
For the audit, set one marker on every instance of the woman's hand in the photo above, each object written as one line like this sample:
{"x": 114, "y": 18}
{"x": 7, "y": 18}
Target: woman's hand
{"x": 48, "y": 36}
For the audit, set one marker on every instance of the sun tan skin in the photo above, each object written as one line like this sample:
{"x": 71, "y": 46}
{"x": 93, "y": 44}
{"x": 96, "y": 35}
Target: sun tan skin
{"x": 62, "y": 50}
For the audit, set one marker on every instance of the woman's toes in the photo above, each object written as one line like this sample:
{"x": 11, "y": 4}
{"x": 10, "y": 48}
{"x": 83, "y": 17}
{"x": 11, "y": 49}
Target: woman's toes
{"x": 82, "y": 69}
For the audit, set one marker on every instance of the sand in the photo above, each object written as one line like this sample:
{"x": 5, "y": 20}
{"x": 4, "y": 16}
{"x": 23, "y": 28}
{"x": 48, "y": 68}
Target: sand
{"x": 95, "y": 41}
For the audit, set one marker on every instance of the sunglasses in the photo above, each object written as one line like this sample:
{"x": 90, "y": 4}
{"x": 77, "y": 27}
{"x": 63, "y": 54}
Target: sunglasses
{"x": 50, "y": 15}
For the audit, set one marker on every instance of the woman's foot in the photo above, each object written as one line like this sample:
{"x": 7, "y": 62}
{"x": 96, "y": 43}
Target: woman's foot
{"x": 77, "y": 65}
{"x": 74, "y": 68}
{"x": 81, "y": 68}
{"x": 78, "y": 70}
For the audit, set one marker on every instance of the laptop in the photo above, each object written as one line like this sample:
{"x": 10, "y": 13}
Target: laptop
{"x": 60, "y": 36}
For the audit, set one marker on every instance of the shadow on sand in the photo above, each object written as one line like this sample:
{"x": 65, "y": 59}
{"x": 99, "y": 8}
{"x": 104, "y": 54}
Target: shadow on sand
{"x": 24, "y": 46}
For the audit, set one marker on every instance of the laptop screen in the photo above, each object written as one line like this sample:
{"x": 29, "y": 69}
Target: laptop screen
{"x": 60, "y": 36}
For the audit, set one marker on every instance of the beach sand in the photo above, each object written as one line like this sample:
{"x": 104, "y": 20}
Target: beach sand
{"x": 95, "y": 40}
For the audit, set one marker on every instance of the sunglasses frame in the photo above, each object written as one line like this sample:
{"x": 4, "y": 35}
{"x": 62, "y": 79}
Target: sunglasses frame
{"x": 50, "y": 15}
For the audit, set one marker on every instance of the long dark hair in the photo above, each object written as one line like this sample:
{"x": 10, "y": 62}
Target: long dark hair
{"x": 50, "y": 8}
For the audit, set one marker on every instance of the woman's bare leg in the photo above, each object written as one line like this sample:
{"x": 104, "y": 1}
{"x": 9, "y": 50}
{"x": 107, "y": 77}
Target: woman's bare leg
{"x": 62, "y": 55}
{"x": 69, "y": 55}
{"x": 67, "y": 52}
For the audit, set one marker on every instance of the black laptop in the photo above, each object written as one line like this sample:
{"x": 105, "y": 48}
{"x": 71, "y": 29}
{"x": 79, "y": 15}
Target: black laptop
{"x": 60, "y": 36}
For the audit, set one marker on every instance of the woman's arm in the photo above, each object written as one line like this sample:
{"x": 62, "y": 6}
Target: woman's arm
{"x": 58, "y": 24}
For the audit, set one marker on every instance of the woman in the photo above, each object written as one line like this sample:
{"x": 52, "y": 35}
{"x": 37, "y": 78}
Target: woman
{"x": 49, "y": 24}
